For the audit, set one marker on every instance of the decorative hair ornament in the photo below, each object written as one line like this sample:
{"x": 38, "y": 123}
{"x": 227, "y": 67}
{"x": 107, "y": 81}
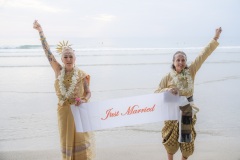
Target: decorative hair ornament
{"x": 62, "y": 46}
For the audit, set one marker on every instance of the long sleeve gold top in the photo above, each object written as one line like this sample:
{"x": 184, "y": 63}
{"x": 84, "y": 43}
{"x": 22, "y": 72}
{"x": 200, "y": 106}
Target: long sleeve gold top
{"x": 184, "y": 81}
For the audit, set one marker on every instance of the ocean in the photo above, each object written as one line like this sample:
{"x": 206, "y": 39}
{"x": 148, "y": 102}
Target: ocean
{"x": 28, "y": 117}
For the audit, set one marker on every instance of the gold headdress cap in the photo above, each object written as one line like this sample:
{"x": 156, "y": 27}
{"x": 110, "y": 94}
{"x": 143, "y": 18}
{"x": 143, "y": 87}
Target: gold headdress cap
{"x": 64, "y": 46}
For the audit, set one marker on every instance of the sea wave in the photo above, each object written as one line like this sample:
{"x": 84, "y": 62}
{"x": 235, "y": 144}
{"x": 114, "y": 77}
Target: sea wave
{"x": 118, "y": 64}
{"x": 120, "y": 89}
{"x": 110, "y": 64}
{"x": 86, "y": 55}
{"x": 80, "y": 48}
{"x": 107, "y": 53}
{"x": 22, "y": 47}
{"x": 48, "y": 92}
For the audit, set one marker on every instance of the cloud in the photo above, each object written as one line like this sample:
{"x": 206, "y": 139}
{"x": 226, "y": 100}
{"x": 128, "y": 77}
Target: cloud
{"x": 104, "y": 17}
{"x": 98, "y": 17}
{"x": 30, "y": 4}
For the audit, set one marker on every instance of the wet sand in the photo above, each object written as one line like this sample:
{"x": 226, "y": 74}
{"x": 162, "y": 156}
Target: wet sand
{"x": 29, "y": 121}
{"x": 214, "y": 148}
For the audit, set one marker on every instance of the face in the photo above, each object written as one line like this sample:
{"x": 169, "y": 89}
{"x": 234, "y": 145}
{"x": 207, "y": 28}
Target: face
{"x": 179, "y": 62}
{"x": 68, "y": 58}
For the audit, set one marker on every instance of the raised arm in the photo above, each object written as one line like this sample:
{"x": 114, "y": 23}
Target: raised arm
{"x": 53, "y": 62}
{"x": 197, "y": 63}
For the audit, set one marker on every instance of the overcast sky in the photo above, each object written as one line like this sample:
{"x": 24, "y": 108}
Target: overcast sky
{"x": 118, "y": 18}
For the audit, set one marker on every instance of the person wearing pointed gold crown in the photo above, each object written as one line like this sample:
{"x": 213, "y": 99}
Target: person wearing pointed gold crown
{"x": 180, "y": 81}
{"x": 72, "y": 88}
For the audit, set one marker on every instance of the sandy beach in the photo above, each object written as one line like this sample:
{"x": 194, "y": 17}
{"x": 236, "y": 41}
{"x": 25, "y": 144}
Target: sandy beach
{"x": 213, "y": 148}
{"x": 126, "y": 47}
{"x": 28, "y": 118}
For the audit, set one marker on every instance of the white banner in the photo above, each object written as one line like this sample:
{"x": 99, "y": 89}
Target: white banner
{"x": 127, "y": 111}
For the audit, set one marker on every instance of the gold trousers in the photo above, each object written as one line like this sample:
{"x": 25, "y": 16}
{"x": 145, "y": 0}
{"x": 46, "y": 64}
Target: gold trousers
{"x": 170, "y": 133}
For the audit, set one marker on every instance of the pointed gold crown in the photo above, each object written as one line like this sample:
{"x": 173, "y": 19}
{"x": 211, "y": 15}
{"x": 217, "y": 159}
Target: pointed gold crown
{"x": 62, "y": 46}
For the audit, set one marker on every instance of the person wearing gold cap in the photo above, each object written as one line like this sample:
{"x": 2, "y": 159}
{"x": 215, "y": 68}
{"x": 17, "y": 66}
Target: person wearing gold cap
{"x": 72, "y": 88}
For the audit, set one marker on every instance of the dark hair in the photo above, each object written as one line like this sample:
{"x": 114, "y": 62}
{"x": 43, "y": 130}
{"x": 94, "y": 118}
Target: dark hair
{"x": 179, "y": 52}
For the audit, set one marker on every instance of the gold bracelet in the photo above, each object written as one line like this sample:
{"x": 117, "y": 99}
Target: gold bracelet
{"x": 42, "y": 39}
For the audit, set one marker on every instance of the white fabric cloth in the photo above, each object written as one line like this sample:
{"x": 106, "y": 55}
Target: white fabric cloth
{"x": 127, "y": 111}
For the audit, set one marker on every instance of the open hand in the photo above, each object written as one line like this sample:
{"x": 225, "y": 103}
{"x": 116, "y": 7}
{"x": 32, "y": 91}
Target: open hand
{"x": 37, "y": 26}
{"x": 217, "y": 33}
